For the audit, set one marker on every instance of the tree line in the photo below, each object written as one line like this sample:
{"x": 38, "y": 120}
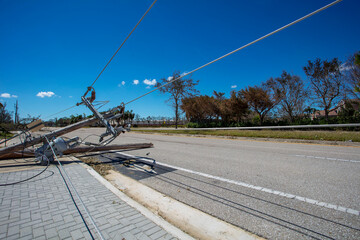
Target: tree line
{"x": 286, "y": 99}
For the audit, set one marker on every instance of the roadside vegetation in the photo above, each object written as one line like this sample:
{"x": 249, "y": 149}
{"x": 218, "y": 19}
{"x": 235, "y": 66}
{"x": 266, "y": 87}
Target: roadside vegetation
{"x": 336, "y": 135}
{"x": 329, "y": 95}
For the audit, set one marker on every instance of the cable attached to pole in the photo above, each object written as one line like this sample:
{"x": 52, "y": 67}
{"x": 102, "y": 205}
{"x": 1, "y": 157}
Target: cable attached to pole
{"x": 240, "y": 48}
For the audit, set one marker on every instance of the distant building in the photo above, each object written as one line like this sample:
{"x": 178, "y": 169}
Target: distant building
{"x": 334, "y": 112}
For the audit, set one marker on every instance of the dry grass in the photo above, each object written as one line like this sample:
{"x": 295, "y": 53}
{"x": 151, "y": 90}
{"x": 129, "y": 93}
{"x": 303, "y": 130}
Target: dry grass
{"x": 338, "y": 135}
{"x": 100, "y": 167}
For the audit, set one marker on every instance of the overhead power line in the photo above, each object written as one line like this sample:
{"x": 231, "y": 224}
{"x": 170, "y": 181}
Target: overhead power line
{"x": 124, "y": 41}
{"x": 112, "y": 56}
{"x": 59, "y": 112}
{"x": 240, "y": 48}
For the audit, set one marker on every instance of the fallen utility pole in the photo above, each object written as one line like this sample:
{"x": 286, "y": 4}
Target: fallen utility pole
{"x": 108, "y": 148}
{"x": 29, "y": 153}
{"x": 42, "y": 139}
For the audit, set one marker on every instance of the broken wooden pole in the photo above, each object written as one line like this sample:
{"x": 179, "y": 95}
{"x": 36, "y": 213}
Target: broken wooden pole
{"x": 15, "y": 155}
{"x": 86, "y": 149}
{"x": 21, "y": 146}
{"x": 109, "y": 147}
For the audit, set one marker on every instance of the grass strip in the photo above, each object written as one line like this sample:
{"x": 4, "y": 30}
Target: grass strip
{"x": 336, "y": 135}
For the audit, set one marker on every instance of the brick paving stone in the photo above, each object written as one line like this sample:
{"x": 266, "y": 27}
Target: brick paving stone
{"x": 142, "y": 223}
{"x": 25, "y": 215}
{"x": 153, "y": 230}
{"x": 55, "y": 238}
{"x": 142, "y": 236}
{"x": 43, "y": 209}
{"x": 35, "y": 216}
{"x": 42, "y": 224}
{"x": 26, "y": 231}
{"x": 51, "y": 233}
{"x": 37, "y": 232}
{"x": 42, "y": 238}
{"x": 129, "y": 236}
{"x": 3, "y": 228}
{"x": 77, "y": 234}
{"x": 13, "y": 230}
{"x": 28, "y": 237}
{"x": 14, "y": 213}
{"x": 88, "y": 236}
{"x": 135, "y": 231}
{"x": 148, "y": 226}
{"x": 157, "y": 235}
{"x": 64, "y": 233}
{"x": 15, "y": 237}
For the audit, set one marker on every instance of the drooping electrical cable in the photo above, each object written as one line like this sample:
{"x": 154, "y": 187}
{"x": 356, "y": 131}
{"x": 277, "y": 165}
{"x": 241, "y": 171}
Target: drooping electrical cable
{"x": 38, "y": 174}
{"x": 59, "y": 112}
{"x": 61, "y": 169}
{"x": 128, "y": 36}
{"x": 27, "y": 179}
{"x": 76, "y": 206}
{"x": 240, "y": 48}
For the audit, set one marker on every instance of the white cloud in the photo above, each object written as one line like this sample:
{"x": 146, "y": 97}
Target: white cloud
{"x": 45, "y": 94}
{"x": 170, "y": 78}
{"x": 150, "y": 82}
{"x": 233, "y": 86}
{"x": 345, "y": 67}
{"x": 8, "y": 95}
{"x": 136, "y": 82}
{"x": 5, "y": 95}
{"x": 184, "y": 73}
{"x": 121, "y": 84}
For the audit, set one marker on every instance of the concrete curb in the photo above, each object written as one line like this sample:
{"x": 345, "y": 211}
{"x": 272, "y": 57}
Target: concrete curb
{"x": 147, "y": 213}
{"x": 192, "y": 221}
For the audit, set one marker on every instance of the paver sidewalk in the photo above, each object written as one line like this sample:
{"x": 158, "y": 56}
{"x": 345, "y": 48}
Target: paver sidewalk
{"x": 42, "y": 208}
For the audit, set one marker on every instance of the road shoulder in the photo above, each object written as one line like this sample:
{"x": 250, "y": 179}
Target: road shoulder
{"x": 192, "y": 221}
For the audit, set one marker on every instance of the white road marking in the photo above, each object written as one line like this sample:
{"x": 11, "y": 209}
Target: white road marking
{"x": 331, "y": 159}
{"x": 267, "y": 190}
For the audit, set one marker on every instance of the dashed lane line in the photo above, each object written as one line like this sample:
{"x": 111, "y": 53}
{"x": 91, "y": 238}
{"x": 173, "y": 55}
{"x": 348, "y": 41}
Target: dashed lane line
{"x": 258, "y": 188}
{"x": 330, "y": 159}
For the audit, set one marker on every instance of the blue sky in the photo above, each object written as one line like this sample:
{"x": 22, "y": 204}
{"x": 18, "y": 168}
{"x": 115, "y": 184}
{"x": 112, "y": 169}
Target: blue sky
{"x": 50, "y": 51}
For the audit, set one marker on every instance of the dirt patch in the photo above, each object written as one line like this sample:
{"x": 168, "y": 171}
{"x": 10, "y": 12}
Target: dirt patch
{"x": 100, "y": 167}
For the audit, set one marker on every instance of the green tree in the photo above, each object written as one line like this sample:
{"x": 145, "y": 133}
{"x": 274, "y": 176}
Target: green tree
{"x": 292, "y": 94}
{"x": 352, "y": 75}
{"x": 129, "y": 116}
{"x": 309, "y": 110}
{"x": 261, "y": 100}
{"x": 238, "y": 107}
{"x": 5, "y": 115}
{"x": 179, "y": 89}
{"x": 326, "y": 82}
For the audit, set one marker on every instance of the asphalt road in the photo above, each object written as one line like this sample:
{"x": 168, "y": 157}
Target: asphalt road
{"x": 275, "y": 190}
